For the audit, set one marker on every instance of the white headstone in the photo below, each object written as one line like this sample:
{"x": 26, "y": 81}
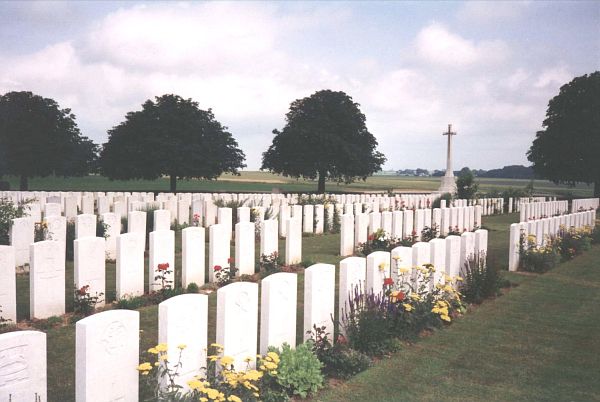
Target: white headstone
{"x": 237, "y": 321}
{"x": 162, "y": 219}
{"x": 293, "y": 241}
{"x": 243, "y": 214}
{"x": 8, "y": 285}
{"x": 346, "y": 235}
{"x": 308, "y": 219}
{"x": 319, "y": 297}
{"x": 106, "y": 355}
{"x": 113, "y": 229}
{"x": 52, "y": 209}
{"x": 269, "y": 241}
{"x": 183, "y": 320}
{"x": 244, "y": 247}
{"x": 408, "y": 228}
{"x": 467, "y": 247}
{"x": 90, "y": 266}
{"x": 361, "y": 228}
{"x": 136, "y": 222}
{"x": 130, "y": 265}
{"x": 162, "y": 251}
{"x": 319, "y": 219}
{"x": 453, "y": 265}
{"x": 218, "y": 249}
{"x": 352, "y": 276}
{"x": 22, "y": 232}
{"x": 47, "y": 279}
{"x": 378, "y": 268}
{"x": 192, "y": 256}
{"x": 23, "y": 366}
{"x": 278, "y": 310}
{"x": 225, "y": 218}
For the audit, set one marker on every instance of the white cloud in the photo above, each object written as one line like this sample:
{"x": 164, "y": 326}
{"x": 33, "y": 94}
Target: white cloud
{"x": 435, "y": 44}
{"x": 554, "y": 77}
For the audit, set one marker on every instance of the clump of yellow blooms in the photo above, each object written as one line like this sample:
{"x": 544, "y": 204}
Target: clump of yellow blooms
{"x": 220, "y": 380}
{"x": 413, "y": 287}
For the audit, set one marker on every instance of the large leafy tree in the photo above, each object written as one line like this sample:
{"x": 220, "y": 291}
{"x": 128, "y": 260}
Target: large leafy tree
{"x": 567, "y": 150}
{"x": 38, "y": 138}
{"x": 325, "y": 136}
{"x": 170, "y": 136}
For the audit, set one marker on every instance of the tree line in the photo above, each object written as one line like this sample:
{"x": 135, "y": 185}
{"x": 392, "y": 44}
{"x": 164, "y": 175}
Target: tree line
{"x": 325, "y": 137}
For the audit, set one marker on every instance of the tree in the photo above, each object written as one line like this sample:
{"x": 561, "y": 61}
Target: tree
{"x": 37, "y": 138}
{"x": 325, "y": 136}
{"x": 170, "y": 136}
{"x": 466, "y": 188}
{"x": 567, "y": 150}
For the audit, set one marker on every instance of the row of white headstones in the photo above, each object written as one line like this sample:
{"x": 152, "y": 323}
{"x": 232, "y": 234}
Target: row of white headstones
{"x": 107, "y": 343}
{"x": 403, "y": 224}
{"x": 537, "y": 210}
{"x": 585, "y": 204}
{"x": 542, "y": 229}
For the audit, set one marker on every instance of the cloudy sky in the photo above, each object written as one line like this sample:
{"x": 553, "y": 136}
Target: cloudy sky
{"x": 489, "y": 68}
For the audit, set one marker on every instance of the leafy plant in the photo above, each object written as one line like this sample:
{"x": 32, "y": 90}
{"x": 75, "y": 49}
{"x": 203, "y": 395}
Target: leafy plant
{"x": 83, "y": 302}
{"x": 9, "y": 211}
{"x": 130, "y": 302}
{"x": 40, "y": 231}
{"x": 481, "y": 281}
{"x": 378, "y": 241}
{"x": 269, "y": 264}
{"x": 338, "y": 360}
{"x": 299, "y": 371}
{"x": 192, "y": 288}
{"x": 368, "y": 324}
{"x": 537, "y": 259}
{"x": 437, "y": 202}
{"x": 225, "y": 275}
{"x": 429, "y": 233}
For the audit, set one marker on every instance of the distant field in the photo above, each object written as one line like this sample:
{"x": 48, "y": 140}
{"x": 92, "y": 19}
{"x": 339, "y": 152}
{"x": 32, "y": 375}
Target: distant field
{"x": 266, "y": 182}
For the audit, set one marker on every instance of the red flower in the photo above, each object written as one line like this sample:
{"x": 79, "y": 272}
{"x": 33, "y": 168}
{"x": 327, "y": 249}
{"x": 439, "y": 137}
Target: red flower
{"x": 388, "y": 282}
{"x": 229, "y": 260}
{"x": 163, "y": 267}
{"x": 341, "y": 339}
{"x": 217, "y": 268}
{"x": 400, "y": 296}
{"x": 83, "y": 290}
{"x": 370, "y": 237}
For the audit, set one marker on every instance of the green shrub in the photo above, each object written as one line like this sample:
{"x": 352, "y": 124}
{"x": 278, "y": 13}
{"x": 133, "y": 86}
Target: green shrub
{"x": 130, "y": 302}
{"x": 299, "y": 371}
{"x": 192, "y": 288}
{"x": 9, "y": 211}
{"x": 537, "y": 259}
{"x": 573, "y": 242}
{"x": 437, "y": 202}
{"x": 368, "y": 324}
{"x": 378, "y": 241}
{"x": 480, "y": 280}
{"x": 338, "y": 360}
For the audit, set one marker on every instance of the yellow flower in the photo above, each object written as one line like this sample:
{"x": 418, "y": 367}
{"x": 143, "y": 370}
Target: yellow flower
{"x": 234, "y": 398}
{"x": 226, "y": 360}
{"x": 248, "y": 359}
{"x": 403, "y": 270}
{"x": 144, "y": 367}
{"x": 153, "y": 351}
{"x": 164, "y": 357}
{"x": 415, "y": 297}
{"x": 382, "y": 266}
{"x": 161, "y": 347}
{"x": 396, "y": 258}
{"x": 216, "y": 345}
{"x": 445, "y": 317}
{"x": 407, "y": 307}
{"x": 182, "y": 346}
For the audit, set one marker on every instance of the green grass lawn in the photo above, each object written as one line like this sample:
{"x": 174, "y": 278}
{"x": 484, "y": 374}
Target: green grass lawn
{"x": 265, "y": 182}
{"x": 537, "y": 342}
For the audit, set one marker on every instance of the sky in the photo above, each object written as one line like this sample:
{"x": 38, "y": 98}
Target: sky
{"x": 489, "y": 68}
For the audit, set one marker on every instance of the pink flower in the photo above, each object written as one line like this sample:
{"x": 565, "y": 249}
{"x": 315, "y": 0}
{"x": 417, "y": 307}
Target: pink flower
{"x": 217, "y": 268}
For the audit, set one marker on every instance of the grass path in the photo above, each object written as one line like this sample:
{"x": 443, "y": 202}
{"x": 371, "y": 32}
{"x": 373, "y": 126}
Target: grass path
{"x": 539, "y": 342}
